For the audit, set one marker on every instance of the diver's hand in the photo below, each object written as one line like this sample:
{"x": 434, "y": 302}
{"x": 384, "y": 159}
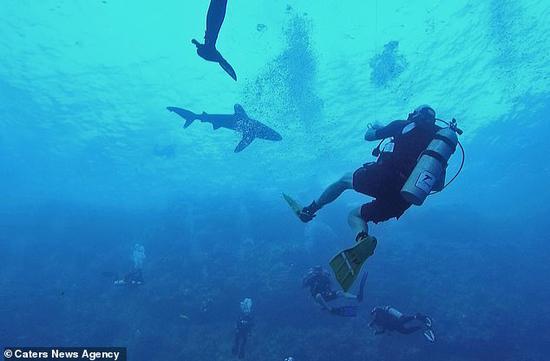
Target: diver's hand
{"x": 375, "y": 126}
{"x": 370, "y": 135}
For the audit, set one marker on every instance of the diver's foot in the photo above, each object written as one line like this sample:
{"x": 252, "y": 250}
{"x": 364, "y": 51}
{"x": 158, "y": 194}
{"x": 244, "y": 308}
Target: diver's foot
{"x": 361, "y": 236}
{"x": 308, "y": 213}
{"x": 429, "y": 335}
{"x": 207, "y": 52}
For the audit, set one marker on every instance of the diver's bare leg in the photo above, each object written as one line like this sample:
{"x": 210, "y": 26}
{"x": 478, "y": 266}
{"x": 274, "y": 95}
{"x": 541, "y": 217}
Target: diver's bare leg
{"x": 330, "y": 194}
{"x": 214, "y": 20}
{"x": 356, "y": 222}
{"x": 334, "y": 190}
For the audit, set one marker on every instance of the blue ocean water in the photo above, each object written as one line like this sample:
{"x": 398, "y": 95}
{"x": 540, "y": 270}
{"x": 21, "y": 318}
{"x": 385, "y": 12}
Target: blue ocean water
{"x": 93, "y": 163}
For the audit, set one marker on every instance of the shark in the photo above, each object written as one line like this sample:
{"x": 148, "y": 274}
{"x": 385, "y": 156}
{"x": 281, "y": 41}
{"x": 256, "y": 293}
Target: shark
{"x": 239, "y": 121}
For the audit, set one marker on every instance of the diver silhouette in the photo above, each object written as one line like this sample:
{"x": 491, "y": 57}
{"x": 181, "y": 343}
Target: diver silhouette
{"x": 208, "y": 51}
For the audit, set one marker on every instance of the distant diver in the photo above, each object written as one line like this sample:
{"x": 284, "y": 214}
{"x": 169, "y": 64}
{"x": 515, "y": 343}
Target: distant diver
{"x": 135, "y": 277}
{"x": 318, "y": 281}
{"x": 239, "y": 121}
{"x": 243, "y": 328}
{"x": 389, "y": 319}
{"x": 214, "y": 21}
{"x": 408, "y": 169}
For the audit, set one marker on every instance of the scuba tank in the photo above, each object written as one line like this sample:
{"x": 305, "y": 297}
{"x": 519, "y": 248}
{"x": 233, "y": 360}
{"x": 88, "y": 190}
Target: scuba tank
{"x": 393, "y": 312}
{"x": 431, "y": 165}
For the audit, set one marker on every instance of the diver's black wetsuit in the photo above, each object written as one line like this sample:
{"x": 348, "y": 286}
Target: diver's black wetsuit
{"x": 384, "y": 178}
{"x": 389, "y": 319}
{"x": 242, "y": 330}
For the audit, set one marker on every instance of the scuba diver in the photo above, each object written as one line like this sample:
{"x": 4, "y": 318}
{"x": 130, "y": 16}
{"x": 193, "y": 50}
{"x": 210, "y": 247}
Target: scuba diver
{"x": 243, "y": 328}
{"x": 389, "y": 319}
{"x": 408, "y": 168}
{"x": 208, "y": 51}
{"x": 134, "y": 278}
{"x": 318, "y": 281}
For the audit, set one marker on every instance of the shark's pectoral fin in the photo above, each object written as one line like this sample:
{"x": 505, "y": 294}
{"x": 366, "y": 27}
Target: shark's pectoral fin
{"x": 216, "y": 126}
{"x": 244, "y": 143}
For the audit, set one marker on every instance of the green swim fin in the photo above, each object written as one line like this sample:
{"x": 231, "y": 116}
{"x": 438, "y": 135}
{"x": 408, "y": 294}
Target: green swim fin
{"x": 347, "y": 264}
{"x": 295, "y": 206}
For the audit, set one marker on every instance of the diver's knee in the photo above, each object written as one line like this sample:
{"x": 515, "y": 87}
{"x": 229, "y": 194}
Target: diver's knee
{"x": 347, "y": 180}
{"x": 357, "y": 222}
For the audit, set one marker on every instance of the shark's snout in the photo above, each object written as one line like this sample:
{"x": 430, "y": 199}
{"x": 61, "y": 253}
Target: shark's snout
{"x": 270, "y": 134}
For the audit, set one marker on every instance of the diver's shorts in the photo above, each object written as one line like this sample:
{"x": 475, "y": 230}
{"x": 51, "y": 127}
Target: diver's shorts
{"x": 383, "y": 184}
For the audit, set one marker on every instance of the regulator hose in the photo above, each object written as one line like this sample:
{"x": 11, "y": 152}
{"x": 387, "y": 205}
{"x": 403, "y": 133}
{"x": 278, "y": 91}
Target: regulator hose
{"x": 459, "y": 131}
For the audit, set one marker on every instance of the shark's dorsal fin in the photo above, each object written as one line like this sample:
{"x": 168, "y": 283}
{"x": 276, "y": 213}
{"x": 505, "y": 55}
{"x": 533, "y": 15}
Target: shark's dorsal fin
{"x": 239, "y": 110}
{"x": 247, "y": 139}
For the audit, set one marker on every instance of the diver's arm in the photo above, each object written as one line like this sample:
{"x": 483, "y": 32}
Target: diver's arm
{"x": 370, "y": 135}
{"x": 390, "y": 130}
{"x": 377, "y": 330}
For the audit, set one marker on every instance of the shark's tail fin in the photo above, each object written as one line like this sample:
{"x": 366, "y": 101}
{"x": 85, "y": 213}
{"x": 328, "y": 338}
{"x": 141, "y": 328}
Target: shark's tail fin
{"x": 185, "y": 114}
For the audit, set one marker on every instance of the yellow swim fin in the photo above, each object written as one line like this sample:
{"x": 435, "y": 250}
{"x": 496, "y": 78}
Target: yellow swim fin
{"x": 347, "y": 264}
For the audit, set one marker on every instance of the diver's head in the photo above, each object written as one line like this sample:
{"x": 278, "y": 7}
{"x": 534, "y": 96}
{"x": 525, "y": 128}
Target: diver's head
{"x": 311, "y": 275}
{"x": 423, "y": 114}
{"x": 317, "y": 269}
